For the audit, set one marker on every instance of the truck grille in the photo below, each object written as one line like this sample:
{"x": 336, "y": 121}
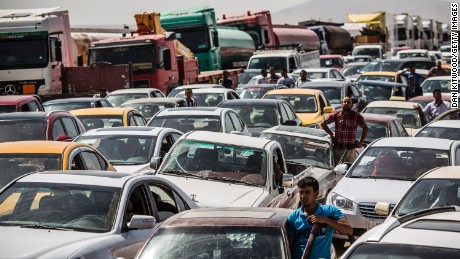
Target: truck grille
{"x": 141, "y": 84}
{"x": 367, "y": 210}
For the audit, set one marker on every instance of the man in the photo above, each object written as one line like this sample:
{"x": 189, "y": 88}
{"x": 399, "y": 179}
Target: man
{"x": 301, "y": 221}
{"x": 412, "y": 89}
{"x": 225, "y": 81}
{"x": 344, "y": 137}
{"x": 273, "y": 76}
{"x": 303, "y": 78}
{"x": 438, "y": 70}
{"x": 163, "y": 206}
{"x": 285, "y": 79}
{"x": 262, "y": 78}
{"x": 411, "y": 71}
{"x": 189, "y": 101}
{"x": 436, "y": 107}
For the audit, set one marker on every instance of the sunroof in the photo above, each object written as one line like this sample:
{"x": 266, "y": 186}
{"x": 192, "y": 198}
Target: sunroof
{"x": 440, "y": 225}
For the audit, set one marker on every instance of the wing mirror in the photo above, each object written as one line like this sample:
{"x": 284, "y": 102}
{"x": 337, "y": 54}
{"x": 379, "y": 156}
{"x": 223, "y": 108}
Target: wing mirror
{"x": 155, "y": 162}
{"x": 288, "y": 180}
{"x": 328, "y": 109}
{"x": 290, "y": 123}
{"x": 341, "y": 169}
{"x": 141, "y": 222}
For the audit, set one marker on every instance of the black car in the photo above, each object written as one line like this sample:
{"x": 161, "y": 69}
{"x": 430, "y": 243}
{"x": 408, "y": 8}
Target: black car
{"x": 256, "y": 91}
{"x": 394, "y": 65}
{"x": 261, "y": 114}
{"x": 380, "y": 90}
{"x": 335, "y": 91}
{"x": 68, "y": 104}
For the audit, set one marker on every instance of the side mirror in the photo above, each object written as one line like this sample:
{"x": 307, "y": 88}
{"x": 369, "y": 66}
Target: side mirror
{"x": 341, "y": 169}
{"x": 290, "y": 123}
{"x": 141, "y": 222}
{"x": 328, "y": 109}
{"x": 155, "y": 162}
{"x": 288, "y": 180}
{"x": 64, "y": 138}
{"x": 167, "y": 59}
{"x": 382, "y": 208}
{"x": 215, "y": 38}
{"x": 58, "y": 51}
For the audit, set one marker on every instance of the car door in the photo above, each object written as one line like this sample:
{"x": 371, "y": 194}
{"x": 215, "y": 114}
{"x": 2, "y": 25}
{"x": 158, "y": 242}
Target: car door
{"x": 239, "y": 124}
{"x": 229, "y": 127}
{"x": 167, "y": 201}
{"x": 70, "y": 127}
{"x": 402, "y": 131}
{"x": 84, "y": 158}
{"x": 165, "y": 143}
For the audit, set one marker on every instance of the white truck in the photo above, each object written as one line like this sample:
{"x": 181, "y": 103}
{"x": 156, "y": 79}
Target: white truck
{"x": 376, "y": 50}
{"x": 419, "y": 36}
{"x": 404, "y": 30}
{"x": 431, "y": 32}
{"x": 284, "y": 59}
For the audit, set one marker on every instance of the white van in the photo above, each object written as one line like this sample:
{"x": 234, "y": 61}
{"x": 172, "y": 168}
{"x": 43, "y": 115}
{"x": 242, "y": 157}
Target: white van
{"x": 374, "y": 50}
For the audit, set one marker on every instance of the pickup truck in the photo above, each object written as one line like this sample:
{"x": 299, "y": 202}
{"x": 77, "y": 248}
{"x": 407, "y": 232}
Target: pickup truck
{"x": 227, "y": 170}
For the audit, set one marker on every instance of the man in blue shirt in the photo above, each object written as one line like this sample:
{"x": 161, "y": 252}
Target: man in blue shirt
{"x": 301, "y": 221}
{"x": 418, "y": 78}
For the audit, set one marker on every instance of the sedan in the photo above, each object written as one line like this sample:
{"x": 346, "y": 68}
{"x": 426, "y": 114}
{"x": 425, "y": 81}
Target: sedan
{"x": 437, "y": 82}
{"x": 118, "y": 97}
{"x": 441, "y": 129}
{"x": 68, "y": 104}
{"x": 109, "y": 117}
{"x": 94, "y": 214}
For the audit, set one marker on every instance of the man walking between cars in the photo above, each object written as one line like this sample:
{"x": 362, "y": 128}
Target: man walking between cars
{"x": 225, "y": 81}
{"x": 344, "y": 137}
{"x": 303, "y": 78}
{"x": 189, "y": 101}
{"x": 301, "y": 222}
{"x": 436, "y": 107}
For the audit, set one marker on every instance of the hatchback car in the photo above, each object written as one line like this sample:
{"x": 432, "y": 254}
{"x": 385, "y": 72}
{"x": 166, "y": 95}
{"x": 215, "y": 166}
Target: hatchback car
{"x": 179, "y": 89}
{"x": 310, "y": 105}
{"x": 118, "y": 97}
{"x": 227, "y": 232}
{"x": 211, "y": 97}
{"x": 54, "y": 125}
{"x": 448, "y": 129}
{"x": 86, "y": 214}
{"x": 20, "y": 103}
{"x": 261, "y": 114}
{"x": 384, "y": 172}
{"x": 132, "y": 149}
{"x": 150, "y": 106}
{"x": 68, "y": 104}
{"x": 213, "y": 119}
{"x": 22, "y": 157}
{"x": 94, "y": 118}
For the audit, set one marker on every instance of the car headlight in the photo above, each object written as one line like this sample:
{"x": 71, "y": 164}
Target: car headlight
{"x": 341, "y": 202}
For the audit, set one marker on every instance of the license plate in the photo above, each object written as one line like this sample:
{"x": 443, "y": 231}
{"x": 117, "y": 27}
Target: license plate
{"x": 371, "y": 224}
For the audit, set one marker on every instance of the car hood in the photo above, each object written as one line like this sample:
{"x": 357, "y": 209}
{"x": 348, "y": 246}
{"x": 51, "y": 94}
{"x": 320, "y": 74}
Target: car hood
{"x": 143, "y": 168}
{"x": 45, "y": 243}
{"x": 372, "y": 190}
{"x": 210, "y": 193}
{"x": 309, "y": 118}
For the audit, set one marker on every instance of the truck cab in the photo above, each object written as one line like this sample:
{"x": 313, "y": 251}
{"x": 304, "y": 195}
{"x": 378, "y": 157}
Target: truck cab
{"x": 374, "y": 50}
{"x": 284, "y": 59}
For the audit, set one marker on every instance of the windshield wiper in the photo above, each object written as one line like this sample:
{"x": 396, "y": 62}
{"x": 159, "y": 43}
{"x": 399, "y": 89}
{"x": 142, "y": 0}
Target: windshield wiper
{"x": 180, "y": 172}
{"x": 359, "y": 176}
{"x": 425, "y": 212}
{"x": 41, "y": 226}
{"x": 231, "y": 180}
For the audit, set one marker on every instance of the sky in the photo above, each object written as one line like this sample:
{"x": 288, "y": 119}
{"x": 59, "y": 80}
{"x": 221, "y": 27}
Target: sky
{"x": 113, "y": 12}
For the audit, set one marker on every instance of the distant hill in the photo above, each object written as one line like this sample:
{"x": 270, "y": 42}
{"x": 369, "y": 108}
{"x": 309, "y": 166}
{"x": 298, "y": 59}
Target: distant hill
{"x": 337, "y": 10}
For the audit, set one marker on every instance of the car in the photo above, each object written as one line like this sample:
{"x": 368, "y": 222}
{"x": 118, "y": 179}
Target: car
{"x": 131, "y": 149}
{"x": 179, "y": 89}
{"x": 335, "y": 91}
{"x": 335, "y": 61}
{"x": 260, "y": 114}
{"x": 54, "y": 125}
{"x": 385, "y": 76}
{"x": 246, "y": 76}
{"x": 68, "y": 104}
{"x": 20, "y": 103}
{"x": 444, "y": 83}
{"x": 150, "y": 106}
{"x": 431, "y": 234}
{"x": 233, "y": 232}
{"x": 324, "y": 73}
{"x": 95, "y": 118}
{"x": 395, "y": 50}
{"x": 446, "y": 53}
{"x": 448, "y": 129}
{"x": 187, "y": 119}
{"x": 310, "y": 105}
{"x": 428, "y": 98}
{"x": 255, "y": 91}
{"x": 451, "y": 114}
{"x": 435, "y": 55}
{"x": 380, "y": 90}
{"x": 311, "y": 148}
{"x": 412, "y": 53}
{"x": 211, "y": 97}
{"x": 22, "y": 157}
{"x": 383, "y": 173}
{"x": 363, "y": 58}
{"x": 85, "y": 214}
{"x": 118, "y": 97}
{"x": 394, "y": 65}
{"x": 352, "y": 69}
{"x": 411, "y": 114}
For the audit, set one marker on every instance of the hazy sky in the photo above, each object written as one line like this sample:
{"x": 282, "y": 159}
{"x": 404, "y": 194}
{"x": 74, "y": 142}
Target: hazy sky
{"x": 100, "y": 12}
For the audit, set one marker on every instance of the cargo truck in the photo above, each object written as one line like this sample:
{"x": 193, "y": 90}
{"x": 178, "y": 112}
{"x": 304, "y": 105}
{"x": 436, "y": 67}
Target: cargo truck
{"x": 419, "y": 35}
{"x": 430, "y": 29}
{"x": 236, "y": 47}
{"x": 404, "y": 30}
{"x": 334, "y": 40}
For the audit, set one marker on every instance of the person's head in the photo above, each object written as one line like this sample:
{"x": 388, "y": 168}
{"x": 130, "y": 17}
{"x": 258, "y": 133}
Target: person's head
{"x": 439, "y": 64}
{"x": 437, "y": 95}
{"x": 263, "y": 72}
{"x": 225, "y": 74}
{"x": 412, "y": 68}
{"x": 303, "y": 74}
{"x": 308, "y": 190}
{"x": 156, "y": 197}
{"x": 347, "y": 104}
{"x": 284, "y": 73}
{"x": 188, "y": 94}
{"x": 272, "y": 70}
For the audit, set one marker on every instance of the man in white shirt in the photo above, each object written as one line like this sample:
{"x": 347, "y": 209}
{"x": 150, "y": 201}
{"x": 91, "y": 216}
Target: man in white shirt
{"x": 436, "y": 107}
{"x": 262, "y": 78}
{"x": 285, "y": 79}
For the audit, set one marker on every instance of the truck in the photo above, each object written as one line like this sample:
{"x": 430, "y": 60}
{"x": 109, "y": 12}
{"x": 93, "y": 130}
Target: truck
{"x": 419, "y": 35}
{"x": 236, "y": 47}
{"x": 289, "y": 60}
{"x": 430, "y": 29}
{"x": 333, "y": 39}
{"x": 403, "y": 30}
{"x": 265, "y": 34}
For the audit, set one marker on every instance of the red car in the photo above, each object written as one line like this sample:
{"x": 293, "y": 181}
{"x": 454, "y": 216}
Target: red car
{"x": 54, "y": 125}
{"x": 20, "y": 103}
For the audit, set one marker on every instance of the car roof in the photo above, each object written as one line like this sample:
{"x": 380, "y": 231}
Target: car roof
{"x": 318, "y": 69}
{"x": 294, "y": 91}
{"x": 337, "y": 84}
{"x": 393, "y": 104}
{"x": 380, "y": 83}
{"x": 256, "y": 86}
{"x": 300, "y": 132}
{"x": 133, "y": 90}
{"x": 197, "y": 86}
{"x": 330, "y": 56}
{"x": 230, "y": 139}
{"x": 14, "y": 99}
{"x": 208, "y": 90}
{"x": 377, "y": 117}
{"x": 380, "y": 73}
{"x": 101, "y": 111}
{"x": 429, "y": 97}
{"x": 411, "y": 142}
{"x": 39, "y": 146}
{"x": 438, "y": 78}
{"x": 252, "y": 216}
{"x": 25, "y": 115}
{"x": 250, "y": 102}
{"x": 350, "y": 64}
{"x": 185, "y": 111}
{"x": 140, "y": 131}
{"x": 76, "y": 99}
{"x": 445, "y": 172}
{"x": 412, "y": 50}
{"x": 445, "y": 124}
{"x": 154, "y": 100}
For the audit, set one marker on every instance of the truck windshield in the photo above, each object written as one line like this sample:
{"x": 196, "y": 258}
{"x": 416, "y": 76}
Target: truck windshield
{"x": 196, "y": 39}
{"x": 266, "y": 62}
{"x": 23, "y": 50}
{"x": 141, "y": 56}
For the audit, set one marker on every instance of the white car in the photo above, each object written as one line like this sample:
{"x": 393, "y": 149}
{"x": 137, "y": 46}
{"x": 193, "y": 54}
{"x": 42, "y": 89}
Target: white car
{"x": 93, "y": 214}
{"x": 444, "y": 83}
{"x": 385, "y": 170}
{"x": 118, "y": 97}
{"x": 211, "y": 97}
{"x": 447, "y": 129}
{"x": 200, "y": 118}
{"x": 132, "y": 149}
{"x": 323, "y": 73}
{"x": 412, "y": 53}
{"x": 446, "y": 52}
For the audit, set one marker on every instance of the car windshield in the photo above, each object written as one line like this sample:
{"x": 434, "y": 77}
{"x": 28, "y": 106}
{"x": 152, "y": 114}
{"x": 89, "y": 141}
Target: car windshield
{"x": 409, "y": 117}
{"x": 375, "y": 92}
{"x": 374, "y": 52}
{"x": 317, "y": 75}
{"x": 397, "y": 163}
{"x": 253, "y": 92}
{"x": 60, "y": 206}
{"x": 429, "y": 85}
{"x": 401, "y": 251}
{"x": 21, "y": 130}
{"x": 149, "y": 109}
{"x": 303, "y": 150}
{"x": 186, "y": 123}
{"x": 68, "y": 106}
{"x": 350, "y": 70}
{"x": 264, "y": 117}
{"x": 244, "y": 78}
{"x": 332, "y": 93}
{"x": 440, "y": 132}
{"x": 15, "y": 165}
{"x": 8, "y": 108}
{"x": 205, "y": 99}
{"x": 123, "y": 149}
{"x": 278, "y": 63}
{"x": 428, "y": 194}
{"x": 380, "y": 66}
{"x": 412, "y": 55}
{"x": 302, "y": 103}
{"x": 101, "y": 121}
{"x": 451, "y": 115}
{"x": 376, "y": 78}
{"x": 218, "y": 161}
{"x": 118, "y": 99}
{"x": 216, "y": 242}
{"x": 331, "y": 62}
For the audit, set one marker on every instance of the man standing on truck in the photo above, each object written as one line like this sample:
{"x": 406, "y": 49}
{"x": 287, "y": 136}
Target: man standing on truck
{"x": 344, "y": 137}
{"x": 225, "y": 81}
